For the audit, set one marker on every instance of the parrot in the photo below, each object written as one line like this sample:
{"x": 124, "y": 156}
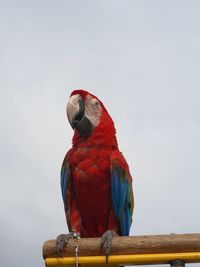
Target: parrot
{"x": 96, "y": 183}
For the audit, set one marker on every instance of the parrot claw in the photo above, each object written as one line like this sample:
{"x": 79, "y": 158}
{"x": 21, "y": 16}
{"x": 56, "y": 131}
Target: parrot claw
{"x": 106, "y": 242}
{"x": 62, "y": 241}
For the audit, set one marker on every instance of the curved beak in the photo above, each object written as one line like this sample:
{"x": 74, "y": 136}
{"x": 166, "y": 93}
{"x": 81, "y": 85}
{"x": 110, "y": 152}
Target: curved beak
{"x": 75, "y": 110}
{"x": 76, "y": 116}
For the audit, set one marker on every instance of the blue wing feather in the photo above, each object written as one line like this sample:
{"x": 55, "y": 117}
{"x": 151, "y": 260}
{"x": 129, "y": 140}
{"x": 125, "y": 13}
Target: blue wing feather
{"x": 65, "y": 183}
{"x": 64, "y": 179}
{"x": 122, "y": 195}
{"x": 122, "y": 198}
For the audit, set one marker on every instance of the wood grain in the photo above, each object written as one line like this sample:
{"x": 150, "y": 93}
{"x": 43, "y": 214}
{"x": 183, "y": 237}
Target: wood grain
{"x": 129, "y": 245}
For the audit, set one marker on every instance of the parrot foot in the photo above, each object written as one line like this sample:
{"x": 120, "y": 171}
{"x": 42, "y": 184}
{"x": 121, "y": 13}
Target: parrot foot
{"x": 62, "y": 241}
{"x": 106, "y": 242}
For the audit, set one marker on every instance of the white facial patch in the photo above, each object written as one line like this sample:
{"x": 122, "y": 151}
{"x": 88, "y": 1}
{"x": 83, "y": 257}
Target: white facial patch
{"x": 93, "y": 110}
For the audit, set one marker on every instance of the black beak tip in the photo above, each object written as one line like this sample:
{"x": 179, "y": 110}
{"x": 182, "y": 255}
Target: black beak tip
{"x": 83, "y": 126}
{"x": 74, "y": 124}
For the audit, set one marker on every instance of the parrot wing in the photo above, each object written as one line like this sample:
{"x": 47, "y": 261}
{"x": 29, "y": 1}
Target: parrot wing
{"x": 65, "y": 182}
{"x": 122, "y": 193}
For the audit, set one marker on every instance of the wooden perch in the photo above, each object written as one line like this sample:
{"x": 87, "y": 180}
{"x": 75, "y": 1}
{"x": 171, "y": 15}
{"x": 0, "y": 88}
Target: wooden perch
{"x": 151, "y": 244}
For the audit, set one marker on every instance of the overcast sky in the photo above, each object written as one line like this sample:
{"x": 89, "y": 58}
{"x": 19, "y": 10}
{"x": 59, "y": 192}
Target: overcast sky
{"x": 142, "y": 59}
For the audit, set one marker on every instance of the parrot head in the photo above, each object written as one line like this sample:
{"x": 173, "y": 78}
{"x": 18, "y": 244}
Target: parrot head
{"x": 86, "y": 113}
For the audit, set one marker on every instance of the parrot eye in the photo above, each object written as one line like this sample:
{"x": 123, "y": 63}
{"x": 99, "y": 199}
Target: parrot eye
{"x": 95, "y": 103}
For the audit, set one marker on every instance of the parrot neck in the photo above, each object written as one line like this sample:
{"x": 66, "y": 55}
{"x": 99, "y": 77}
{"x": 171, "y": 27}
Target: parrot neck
{"x": 103, "y": 135}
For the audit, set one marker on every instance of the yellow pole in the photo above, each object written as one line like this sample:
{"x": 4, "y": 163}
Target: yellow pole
{"x": 138, "y": 259}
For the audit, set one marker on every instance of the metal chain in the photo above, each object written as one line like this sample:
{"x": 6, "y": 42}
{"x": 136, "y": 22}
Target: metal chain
{"x": 76, "y": 236}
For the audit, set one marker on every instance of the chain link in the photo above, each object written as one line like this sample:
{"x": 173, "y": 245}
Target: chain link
{"x": 76, "y": 236}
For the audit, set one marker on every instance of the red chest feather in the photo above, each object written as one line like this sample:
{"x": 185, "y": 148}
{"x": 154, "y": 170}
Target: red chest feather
{"x": 91, "y": 182}
{"x": 90, "y": 169}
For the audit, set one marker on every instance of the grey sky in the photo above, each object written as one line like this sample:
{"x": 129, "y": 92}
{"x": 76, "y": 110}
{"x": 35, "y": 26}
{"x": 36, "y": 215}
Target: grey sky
{"x": 142, "y": 59}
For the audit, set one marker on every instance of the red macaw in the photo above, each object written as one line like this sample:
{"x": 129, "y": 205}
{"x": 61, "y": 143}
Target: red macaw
{"x": 95, "y": 180}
